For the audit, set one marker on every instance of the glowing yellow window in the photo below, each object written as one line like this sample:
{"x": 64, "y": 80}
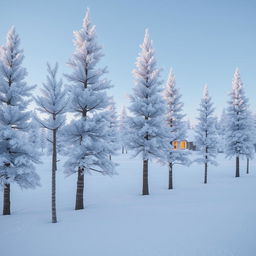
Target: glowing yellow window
{"x": 183, "y": 144}
{"x": 175, "y": 144}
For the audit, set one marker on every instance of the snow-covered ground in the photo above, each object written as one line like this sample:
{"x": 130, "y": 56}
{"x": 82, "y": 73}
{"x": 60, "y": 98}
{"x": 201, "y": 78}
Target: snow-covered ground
{"x": 194, "y": 219}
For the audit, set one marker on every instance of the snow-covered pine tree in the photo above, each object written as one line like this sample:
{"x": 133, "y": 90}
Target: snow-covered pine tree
{"x": 34, "y": 137}
{"x": 123, "y": 129}
{"x": 42, "y": 139}
{"x": 238, "y": 133}
{"x": 52, "y": 103}
{"x": 17, "y": 155}
{"x": 188, "y": 124}
{"x": 252, "y": 128}
{"x": 147, "y": 127}
{"x": 221, "y": 131}
{"x": 111, "y": 116}
{"x": 177, "y": 126}
{"x": 88, "y": 134}
{"x": 206, "y": 135}
{"x": 254, "y": 131}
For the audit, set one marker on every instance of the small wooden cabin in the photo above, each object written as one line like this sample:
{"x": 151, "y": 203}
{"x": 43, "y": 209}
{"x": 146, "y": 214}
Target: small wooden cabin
{"x": 179, "y": 144}
{"x": 183, "y": 144}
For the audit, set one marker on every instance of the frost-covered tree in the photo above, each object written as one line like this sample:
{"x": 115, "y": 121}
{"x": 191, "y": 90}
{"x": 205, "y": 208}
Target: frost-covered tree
{"x": 238, "y": 134}
{"x": 42, "y": 139}
{"x": 221, "y": 131}
{"x": 254, "y": 136}
{"x": 123, "y": 129}
{"x": 52, "y": 103}
{"x": 177, "y": 126}
{"x": 34, "y": 137}
{"x": 111, "y": 116}
{"x": 188, "y": 124}
{"x": 206, "y": 135}
{"x": 252, "y": 128}
{"x": 17, "y": 154}
{"x": 88, "y": 134}
{"x": 147, "y": 125}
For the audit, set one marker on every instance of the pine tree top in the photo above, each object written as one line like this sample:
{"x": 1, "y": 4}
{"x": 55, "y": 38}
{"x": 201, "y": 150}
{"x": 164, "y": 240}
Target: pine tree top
{"x": 206, "y": 92}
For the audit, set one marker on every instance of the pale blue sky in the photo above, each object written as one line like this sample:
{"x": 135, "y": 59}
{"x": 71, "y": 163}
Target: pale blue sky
{"x": 204, "y": 41}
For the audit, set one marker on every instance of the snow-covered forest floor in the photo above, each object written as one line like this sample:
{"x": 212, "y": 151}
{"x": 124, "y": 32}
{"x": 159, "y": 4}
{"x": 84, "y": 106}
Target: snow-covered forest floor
{"x": 194, "y": 219}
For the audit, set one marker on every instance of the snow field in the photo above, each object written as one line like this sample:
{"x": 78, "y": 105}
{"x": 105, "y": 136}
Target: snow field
{"x": 193, "y": 219}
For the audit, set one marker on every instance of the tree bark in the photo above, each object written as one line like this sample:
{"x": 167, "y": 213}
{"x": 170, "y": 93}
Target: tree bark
{"x": 54, "y": 169}
{"x": 7, "y": 187}
{"x": 247, "y": 166}
{"x": 80, "y": 190}
{"x": 7, "y": 201}
{"x": 206, "y": 167}
{"x": 170, "y": 176}
{"x": 145, "y": 190}
{"x": 205, "y": 173}
{"x": 237, "y": 167}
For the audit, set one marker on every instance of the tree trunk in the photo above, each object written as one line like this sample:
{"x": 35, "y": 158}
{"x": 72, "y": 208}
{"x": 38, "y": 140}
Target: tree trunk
{"x": 54, "y": 169}
{"x": 247, "y": 166}
{"x": 237, "y": 167}
{"x": 145, "y": 178}
{"x": 170, "y": 176}
{"x": 205, "y": 173}
{"x": 122, "y": 149}
{"x": 7, "y": 201}
{"x": 206, "y": 160}
{"x": 110, "y": 157}
{"x": 80, "y": 190}
{"x": 7, "y": 187}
